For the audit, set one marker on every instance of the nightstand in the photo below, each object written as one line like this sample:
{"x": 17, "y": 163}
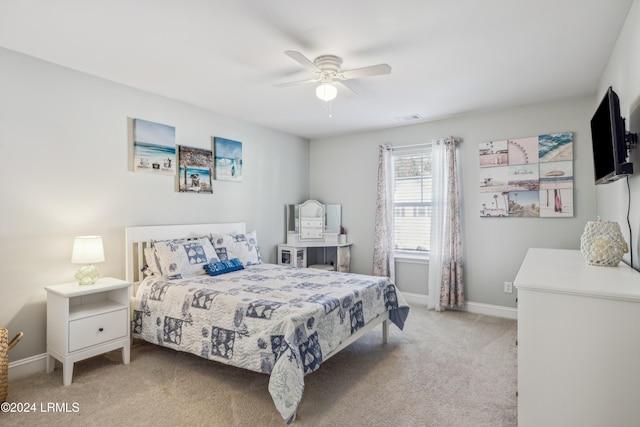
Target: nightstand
{"x": 85, "y": 321}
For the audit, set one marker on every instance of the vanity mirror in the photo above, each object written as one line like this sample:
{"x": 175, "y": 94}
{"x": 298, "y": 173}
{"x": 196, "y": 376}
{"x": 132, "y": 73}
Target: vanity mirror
{"x": 332, "y": 218}
{"x": 313, "y": 237}
{"x": 311, "y": 221}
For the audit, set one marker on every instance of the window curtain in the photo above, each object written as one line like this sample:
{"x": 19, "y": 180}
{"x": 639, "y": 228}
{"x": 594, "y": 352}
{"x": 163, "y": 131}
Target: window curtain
{"x": 383, "y": 260}
{"x": 446, "y": 288}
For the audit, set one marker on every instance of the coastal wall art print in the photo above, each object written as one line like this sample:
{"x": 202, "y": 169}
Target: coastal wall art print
{"x": 527, "y": 177}
{"x": 154, "y": 147}
{"x": 228, "y": 159}
{"x": 196, "y": 166}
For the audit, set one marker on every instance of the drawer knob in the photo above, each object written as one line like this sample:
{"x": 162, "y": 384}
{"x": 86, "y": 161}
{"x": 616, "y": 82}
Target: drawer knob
{"x": 100, "y": 329}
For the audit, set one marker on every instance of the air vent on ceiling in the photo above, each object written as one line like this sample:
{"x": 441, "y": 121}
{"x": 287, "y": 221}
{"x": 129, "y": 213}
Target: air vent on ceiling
{"x": 409, "y": 118}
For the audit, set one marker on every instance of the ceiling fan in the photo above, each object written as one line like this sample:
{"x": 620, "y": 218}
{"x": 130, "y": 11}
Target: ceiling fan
{"x": 330, "y": 75}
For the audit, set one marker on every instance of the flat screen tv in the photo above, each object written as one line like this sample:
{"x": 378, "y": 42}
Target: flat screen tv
{"x": 609, "y": 139}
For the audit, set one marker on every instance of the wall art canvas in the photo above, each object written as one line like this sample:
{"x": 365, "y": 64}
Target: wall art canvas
{"x": 154, "y": 147}
{"x": 527, "y": 177}
{"x": 195, "y": 170}
{"x": 228, "y": 159}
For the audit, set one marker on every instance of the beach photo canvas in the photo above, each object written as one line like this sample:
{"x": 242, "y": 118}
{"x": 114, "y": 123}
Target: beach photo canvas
{"x": 494, "y": 153}
{"x": 555, "y": 147}
{"x": 524, "y": 204}
{"x": 527, "y": 177}
{"x": 494, "y": 179}
{"x": 556, "y": 175}
{"x": 154, "y": 147}
{"x": 195, "y": 170}
{"x": 523, "y": 151}
{"x": 494, "y": 204}
{"x": 228, "y": 159}
{"x": 523, "y": 177}
{"x": 556, "y": 203}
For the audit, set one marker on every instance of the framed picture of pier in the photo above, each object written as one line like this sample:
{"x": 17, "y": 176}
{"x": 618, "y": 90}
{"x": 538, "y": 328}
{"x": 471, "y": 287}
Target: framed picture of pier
{"x": 527, "y": 177}
{"x": 227, "y": 159}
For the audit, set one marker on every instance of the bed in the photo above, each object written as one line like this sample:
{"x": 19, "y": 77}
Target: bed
{"x": 278, "y": 320}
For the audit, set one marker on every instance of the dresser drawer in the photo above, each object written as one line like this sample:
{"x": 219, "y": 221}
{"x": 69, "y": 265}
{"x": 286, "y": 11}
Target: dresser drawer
{"x": 97, "y": 329}
{"x": 311, "y": 222}
{"x": 311, "y": 233}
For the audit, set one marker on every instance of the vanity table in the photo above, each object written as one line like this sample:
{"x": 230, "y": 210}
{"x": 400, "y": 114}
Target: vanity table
{"x": 316, "y": 255}
{"x": 314, "y": 239}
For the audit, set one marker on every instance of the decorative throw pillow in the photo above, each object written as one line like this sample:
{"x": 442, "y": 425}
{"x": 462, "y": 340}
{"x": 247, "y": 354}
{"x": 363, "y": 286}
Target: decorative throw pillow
{"x": 184, "y": 257}
{"x": 242, "y": 246}
{"x": 152, "y": 266}
{"x": 221, "y": 267}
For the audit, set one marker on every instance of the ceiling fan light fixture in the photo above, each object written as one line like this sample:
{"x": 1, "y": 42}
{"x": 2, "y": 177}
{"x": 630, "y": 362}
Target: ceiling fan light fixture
{"x": 326, "y": 92}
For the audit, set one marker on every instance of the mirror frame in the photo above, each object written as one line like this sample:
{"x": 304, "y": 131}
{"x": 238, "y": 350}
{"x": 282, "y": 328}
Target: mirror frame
{"x": 311, "y": 220}
{"x": 332, "y": 218}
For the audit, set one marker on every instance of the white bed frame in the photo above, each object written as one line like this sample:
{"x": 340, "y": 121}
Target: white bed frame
{"x": 137, "y": 238}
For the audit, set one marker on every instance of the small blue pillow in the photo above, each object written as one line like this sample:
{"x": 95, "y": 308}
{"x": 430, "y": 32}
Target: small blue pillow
{"x": 221, "y": 267}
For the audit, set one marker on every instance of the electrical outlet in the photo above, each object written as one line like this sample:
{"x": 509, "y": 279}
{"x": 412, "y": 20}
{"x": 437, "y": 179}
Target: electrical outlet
{"x": 508, "y": 287}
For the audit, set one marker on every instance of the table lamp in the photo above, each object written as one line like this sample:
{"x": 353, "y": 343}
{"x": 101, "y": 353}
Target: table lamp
{"x": 87, "y": 250}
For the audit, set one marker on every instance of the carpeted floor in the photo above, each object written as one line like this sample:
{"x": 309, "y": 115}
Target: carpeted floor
{"x": 445, "y": 369}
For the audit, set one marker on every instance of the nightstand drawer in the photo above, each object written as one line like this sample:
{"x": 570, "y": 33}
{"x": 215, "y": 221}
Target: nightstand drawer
{"x": 98, "y": 329}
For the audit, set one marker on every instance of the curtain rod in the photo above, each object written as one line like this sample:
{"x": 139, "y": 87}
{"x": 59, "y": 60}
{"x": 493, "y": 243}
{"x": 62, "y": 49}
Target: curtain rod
{"x": 399, "y": 147}
{"x": 424, "y": 144}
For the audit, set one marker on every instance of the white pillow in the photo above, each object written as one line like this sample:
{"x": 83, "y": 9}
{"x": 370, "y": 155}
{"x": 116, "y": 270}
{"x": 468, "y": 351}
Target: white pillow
{"x": 242, "y": 246}
{"x": 184, "y": 257}
{"x": 151, "y": 261}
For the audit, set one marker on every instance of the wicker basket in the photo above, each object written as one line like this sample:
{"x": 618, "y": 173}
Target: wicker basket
{"x": 5, "y": 346}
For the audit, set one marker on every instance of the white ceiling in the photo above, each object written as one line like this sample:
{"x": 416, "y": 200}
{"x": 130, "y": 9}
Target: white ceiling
{"x": 448, "y": 57}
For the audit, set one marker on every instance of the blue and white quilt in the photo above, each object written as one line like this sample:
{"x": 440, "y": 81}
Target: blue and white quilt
{"x": 267, "y": 318}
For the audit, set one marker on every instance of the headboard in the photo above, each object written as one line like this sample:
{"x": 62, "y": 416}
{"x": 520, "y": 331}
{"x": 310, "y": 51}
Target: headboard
{"x": 137, "y": 238}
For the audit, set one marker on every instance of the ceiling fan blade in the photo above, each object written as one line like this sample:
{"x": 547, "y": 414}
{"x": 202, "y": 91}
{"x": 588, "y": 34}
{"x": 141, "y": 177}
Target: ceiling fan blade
{"x": 345, "y": 86}
{"x": 372, "y": 70}
{"x": 296, "y": 83}
{"x": 302, "y": 60}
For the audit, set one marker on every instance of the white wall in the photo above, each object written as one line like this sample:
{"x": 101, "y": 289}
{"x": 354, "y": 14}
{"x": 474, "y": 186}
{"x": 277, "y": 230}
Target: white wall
{"x": 623, "y": 74}
{"x": 65, "y": 173}
{"x": 344, "y": 170}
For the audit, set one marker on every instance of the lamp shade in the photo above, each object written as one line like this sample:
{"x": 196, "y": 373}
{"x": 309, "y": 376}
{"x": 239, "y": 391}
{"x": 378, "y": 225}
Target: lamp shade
{"x": 326, "y": 92}
{"x": 87, "y": 250}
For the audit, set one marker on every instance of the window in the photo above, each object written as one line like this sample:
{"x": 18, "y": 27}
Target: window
{"x": 412, "y": 200}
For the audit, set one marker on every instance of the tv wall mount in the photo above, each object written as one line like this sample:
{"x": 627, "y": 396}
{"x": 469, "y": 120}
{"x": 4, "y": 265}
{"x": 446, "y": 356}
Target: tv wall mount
{"x": 631, "y": 139}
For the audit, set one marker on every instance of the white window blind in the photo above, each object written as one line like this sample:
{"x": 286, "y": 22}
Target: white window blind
{"x": 412, "y": 199}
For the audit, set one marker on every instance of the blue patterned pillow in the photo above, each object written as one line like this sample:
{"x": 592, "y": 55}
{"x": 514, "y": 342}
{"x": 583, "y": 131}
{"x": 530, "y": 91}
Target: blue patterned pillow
{"x": 221, "y": 267}
{"x": 184, "y": 257}
{"x": 242, "y": 246}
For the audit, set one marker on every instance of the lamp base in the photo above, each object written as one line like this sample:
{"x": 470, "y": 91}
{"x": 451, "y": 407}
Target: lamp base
{"x": 87, "y": 275}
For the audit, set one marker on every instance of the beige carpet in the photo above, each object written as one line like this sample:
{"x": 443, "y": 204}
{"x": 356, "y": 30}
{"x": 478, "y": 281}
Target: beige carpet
{"x": 445, "y": 369}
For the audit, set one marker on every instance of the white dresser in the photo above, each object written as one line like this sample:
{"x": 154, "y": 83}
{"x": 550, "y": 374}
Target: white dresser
{"x": 578, "y": 342}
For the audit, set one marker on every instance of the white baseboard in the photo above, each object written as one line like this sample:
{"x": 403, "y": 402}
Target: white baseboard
{"x": 417, "y": 299}
{"x": 471, "y": 307}
{"x": 25, "y": 367}
{"x": 492, "y": 310}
